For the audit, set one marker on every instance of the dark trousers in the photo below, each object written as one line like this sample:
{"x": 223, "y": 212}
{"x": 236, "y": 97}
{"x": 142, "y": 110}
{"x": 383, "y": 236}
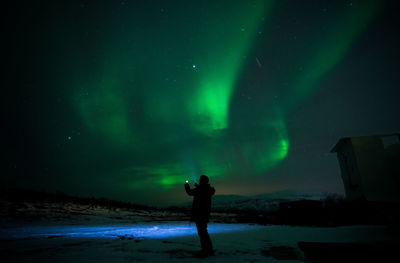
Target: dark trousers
{"x": 205, "y": 240}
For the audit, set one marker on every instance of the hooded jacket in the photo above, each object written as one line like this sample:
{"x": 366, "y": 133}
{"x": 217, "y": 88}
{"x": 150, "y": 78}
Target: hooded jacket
{"x": 201, "y": 206}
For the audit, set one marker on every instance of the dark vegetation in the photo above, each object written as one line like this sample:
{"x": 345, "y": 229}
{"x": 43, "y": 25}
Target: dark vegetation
{"x": 331, "y": 211}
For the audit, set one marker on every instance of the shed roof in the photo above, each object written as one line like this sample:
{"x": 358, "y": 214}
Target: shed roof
{"x": 342, "y": 140}
{"x": 339, "y": 143}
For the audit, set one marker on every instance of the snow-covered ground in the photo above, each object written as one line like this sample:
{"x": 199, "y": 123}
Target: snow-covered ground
{"x": 171, "y": 242}
{"x": 41, "y": 231}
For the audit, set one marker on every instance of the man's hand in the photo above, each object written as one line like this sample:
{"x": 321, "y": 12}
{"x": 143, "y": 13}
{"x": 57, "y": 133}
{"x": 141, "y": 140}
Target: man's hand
{"x": 188, "y": 190}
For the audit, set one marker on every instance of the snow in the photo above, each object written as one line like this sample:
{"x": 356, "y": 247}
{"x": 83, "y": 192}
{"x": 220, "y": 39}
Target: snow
{"x": 138, "y": 231}
{"x": 70, "y": 232}
{"x": 171, "y": 242}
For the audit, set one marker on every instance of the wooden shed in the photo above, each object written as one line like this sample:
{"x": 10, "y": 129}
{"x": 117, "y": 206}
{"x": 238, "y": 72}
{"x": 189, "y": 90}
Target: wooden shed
{"x": 370, "y": 167}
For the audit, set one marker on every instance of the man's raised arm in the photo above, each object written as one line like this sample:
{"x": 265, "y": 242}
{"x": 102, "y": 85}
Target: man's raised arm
{"x": 188, "y": 190}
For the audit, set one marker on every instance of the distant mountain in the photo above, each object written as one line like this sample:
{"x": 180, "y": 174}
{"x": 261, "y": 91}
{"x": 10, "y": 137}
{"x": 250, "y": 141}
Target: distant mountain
{"x": 293, "y": 195}
{"x": 262, "y": 202}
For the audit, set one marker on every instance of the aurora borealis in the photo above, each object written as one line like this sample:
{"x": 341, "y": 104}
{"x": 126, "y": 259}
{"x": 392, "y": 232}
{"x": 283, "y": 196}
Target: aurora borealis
{"x": 128, "y": 99}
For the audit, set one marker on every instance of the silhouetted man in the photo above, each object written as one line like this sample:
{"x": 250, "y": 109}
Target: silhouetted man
{"x": 201, "y": 209}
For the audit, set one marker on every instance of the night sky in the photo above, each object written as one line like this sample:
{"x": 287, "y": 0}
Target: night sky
{"x": 128, "y": 99}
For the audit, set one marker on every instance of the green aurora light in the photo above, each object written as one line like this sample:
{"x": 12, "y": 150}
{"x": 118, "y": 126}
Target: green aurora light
{"x": 198, "y": 100}
{"x": 332, "y": 49}
{"x": 137, "y": 97}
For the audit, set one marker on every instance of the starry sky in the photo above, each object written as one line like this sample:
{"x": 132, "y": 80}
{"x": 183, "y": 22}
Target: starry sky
{"x": 128, "y": 99}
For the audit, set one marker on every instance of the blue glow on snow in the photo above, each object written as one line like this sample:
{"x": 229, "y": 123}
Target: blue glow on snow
{"x": 152, "y": 231}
